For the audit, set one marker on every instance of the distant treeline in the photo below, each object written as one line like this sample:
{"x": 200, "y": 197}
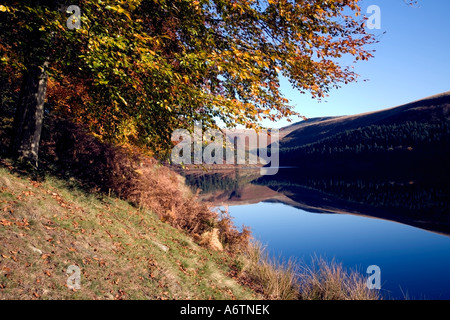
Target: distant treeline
{"x": 411, "y": 146}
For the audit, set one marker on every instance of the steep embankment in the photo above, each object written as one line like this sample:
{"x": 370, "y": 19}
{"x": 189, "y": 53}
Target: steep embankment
{"x": 123, "y": 252}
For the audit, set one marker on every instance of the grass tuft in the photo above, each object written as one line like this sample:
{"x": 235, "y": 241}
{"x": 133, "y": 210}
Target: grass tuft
{"x": 323, "y": 280}
{"x": 291, "y": 280}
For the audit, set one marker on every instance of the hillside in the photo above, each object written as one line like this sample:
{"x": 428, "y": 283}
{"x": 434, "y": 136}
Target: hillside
{"x": 123, "y": 252}
{"x": 430, "y": 109}
{"x": 398, "y": 139}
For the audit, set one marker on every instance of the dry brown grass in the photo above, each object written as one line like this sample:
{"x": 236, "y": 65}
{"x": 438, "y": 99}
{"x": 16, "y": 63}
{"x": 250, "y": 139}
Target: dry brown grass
{"x": 324, "y": 280}
{"x": 277, "y": 280}
{"x": 291, "y": 280}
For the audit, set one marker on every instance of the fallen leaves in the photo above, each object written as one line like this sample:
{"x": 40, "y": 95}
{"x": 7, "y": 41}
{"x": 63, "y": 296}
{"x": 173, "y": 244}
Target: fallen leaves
{"x": 12, "y": 256}
{"x": 6, "y": 270}
{"x": 35, "y": 184}
{"x": 5, "y": 222}
{"x": 45, "y": 256}
{"x": 100, "y": 261}
{"x": 60, "y": 200}
{"x": 20, "y": 223}
{"x": 120, "y": 294}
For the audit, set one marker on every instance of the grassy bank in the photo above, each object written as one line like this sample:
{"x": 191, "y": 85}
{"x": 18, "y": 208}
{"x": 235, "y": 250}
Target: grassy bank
{"x": 123, "y": 252}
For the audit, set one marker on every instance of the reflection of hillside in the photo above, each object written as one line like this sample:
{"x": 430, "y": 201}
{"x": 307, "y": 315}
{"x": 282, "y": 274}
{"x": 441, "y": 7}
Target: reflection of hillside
{"x": 219, "y": 180}
{"x": 420, "y": 204}
{"x": 248, "y": 194}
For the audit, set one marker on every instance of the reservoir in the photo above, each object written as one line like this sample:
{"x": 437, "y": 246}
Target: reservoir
{"x": 402, "y": 227}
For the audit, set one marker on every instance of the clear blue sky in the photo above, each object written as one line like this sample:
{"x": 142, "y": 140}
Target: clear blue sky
{"x": 412, "y": 61}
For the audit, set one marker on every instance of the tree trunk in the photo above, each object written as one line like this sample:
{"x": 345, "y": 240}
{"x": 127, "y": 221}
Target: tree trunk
{"x": 29, "y": 116}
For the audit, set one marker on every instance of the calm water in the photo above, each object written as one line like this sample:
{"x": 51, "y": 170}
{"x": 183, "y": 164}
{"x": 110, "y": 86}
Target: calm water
{"x": 402, "y": 227}
{"x": 414, "y": 263}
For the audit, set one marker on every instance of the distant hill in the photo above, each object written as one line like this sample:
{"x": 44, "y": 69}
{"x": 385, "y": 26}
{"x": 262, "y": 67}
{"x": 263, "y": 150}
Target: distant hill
{"x": 407, "y": 139}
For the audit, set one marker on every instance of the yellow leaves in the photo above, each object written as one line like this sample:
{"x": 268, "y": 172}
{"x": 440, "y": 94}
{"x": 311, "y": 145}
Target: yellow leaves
{"x": 3, "y": 8}
{"x": 121, "y": 10}
{"x": 144, "y": 37}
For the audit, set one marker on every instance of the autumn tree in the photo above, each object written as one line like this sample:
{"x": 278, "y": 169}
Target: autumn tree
{"x": 135, "y": 70}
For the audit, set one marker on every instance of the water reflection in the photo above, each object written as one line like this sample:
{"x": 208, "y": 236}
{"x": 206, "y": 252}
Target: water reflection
{"x": 359, "y": 222}
{"x": 416, "y": 202}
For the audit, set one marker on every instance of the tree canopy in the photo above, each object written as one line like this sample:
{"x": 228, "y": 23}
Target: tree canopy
{"x": 135, "y": 70}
